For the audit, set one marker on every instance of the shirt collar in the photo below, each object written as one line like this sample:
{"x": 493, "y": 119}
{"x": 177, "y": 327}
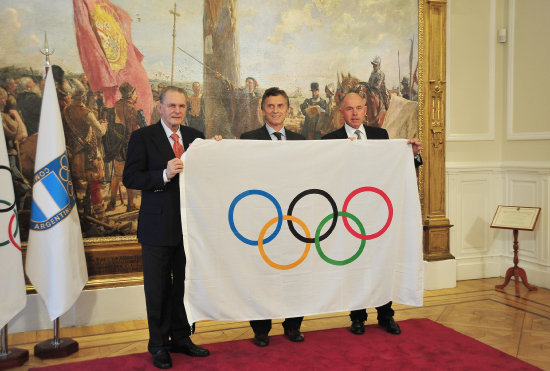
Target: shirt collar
{"x": 270, "y": 130}
{"x": 351, "y": 131}
{"x": 169, "y": 131}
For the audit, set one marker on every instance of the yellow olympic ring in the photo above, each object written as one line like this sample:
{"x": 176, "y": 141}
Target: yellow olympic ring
{"x": 261, "y": 244}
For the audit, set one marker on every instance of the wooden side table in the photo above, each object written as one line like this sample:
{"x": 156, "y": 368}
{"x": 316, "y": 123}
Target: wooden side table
{"x": 516, "y": 218}
{"x": 516, "y": 271}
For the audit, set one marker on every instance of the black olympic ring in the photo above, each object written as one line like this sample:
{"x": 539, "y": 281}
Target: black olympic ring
{"x": 334, "y": 213}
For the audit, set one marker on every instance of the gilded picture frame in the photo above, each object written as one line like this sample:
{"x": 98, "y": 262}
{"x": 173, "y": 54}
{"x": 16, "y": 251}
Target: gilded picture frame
{"x": 116, "y": 260}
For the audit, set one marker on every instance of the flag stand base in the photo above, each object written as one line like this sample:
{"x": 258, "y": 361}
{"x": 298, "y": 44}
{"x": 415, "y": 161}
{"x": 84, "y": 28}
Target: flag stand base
{"x": 14, "y": 358}
{"x": 48, "y": 349}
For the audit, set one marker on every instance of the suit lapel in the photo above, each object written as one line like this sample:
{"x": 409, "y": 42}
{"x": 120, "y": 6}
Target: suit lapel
{"x": 161, "y": 140}
{"x": 265, "y": 133}
{"x": 185, "y": 138}
{"x": 342, "y": 132}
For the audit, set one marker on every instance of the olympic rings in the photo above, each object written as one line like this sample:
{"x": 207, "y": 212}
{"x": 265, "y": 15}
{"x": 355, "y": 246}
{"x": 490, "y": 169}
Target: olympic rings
{"x": 5, "y": 210}
{"x": 261, "y": 245}
{"x": 260, "y": 193}
{"x": 318, "y": 237}
{"x": 318, "y": 245}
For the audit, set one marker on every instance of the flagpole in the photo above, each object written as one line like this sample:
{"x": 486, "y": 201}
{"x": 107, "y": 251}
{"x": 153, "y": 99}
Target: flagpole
{"x": 176, "y": 14}
{"x": 47, "y": 52}
{"x": 56, "y": 341}
{"x": 56, "y": 347}
{"x": 13, "y": 357}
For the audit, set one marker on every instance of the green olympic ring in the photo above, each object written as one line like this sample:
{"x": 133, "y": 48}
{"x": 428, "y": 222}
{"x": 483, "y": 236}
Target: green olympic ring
{"x": 318, "y": 243}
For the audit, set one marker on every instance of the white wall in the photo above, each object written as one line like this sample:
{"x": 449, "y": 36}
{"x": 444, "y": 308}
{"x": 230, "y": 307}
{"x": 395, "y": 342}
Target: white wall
{"x": 498, "y": 133}
{"x": 92, "y": 307}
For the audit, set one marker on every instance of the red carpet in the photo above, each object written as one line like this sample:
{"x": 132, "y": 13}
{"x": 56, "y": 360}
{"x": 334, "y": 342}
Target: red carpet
{"x": 423, "y": 345}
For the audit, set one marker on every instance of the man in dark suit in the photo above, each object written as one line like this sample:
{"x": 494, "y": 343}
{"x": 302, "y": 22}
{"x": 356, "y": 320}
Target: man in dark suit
{"x": 275, "y": 106}
{"x": 353, "y": 111}
{"x": 153, "y": 166}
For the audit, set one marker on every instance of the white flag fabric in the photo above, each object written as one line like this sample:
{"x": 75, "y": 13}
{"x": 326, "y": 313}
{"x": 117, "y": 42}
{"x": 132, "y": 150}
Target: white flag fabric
{"x": 13, "y": 296}
{"x": 55, "y": 262}
{"x": 276, "y": 229}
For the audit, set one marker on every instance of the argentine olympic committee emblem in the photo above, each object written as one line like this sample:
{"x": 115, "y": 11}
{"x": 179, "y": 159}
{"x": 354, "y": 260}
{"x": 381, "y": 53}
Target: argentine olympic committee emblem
{"x": 53, "y": 194}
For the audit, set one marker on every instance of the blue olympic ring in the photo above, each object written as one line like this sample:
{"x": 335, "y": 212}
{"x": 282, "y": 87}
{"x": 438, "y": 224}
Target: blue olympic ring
{"x": 259, "y": 193}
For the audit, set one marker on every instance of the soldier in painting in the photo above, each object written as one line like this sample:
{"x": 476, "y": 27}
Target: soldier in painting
{"x": 10, "y": 106}
{"x": 28, "y": 103}
{"x": 406, "y": 89}
{"x": 244, "y": 105}
{"x": 86, "y": 159}
{"x": 329, "y": 120}
{"x": 127, "y": 119}
{"x": 15, "y": 133}
{"x": 62, "y": 87}
{"x": 90, "y": 100}
{"x": 195, "y": 110}
{"x": 312, "y": 108}
{"x": 377, "y": 81}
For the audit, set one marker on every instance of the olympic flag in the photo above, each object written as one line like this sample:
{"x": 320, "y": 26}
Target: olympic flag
{"x": 12, "y": 281}
{"x": 55, "y": 261}
{"x": 284, "y": 229}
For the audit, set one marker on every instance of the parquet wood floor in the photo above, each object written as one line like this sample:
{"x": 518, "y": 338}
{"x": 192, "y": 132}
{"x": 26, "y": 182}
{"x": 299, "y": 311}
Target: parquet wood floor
{"x": 519, "y": 326}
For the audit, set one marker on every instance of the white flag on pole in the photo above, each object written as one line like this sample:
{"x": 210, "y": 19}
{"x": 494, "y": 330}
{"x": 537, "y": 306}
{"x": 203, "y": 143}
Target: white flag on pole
{"x": 55, "y": 264}
{"x": 12, "y": 280}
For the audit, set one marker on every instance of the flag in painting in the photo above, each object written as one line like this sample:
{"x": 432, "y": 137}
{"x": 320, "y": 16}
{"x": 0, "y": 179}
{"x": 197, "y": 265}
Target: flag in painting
{"x": 12, "y": 280}
{"x": 108, "y": 56}
{"x": 55, "y": 262}
{"x": 292, "y": 228}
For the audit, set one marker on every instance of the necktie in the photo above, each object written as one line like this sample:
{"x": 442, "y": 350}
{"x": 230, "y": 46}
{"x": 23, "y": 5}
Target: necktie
{"x": 358, "y": 133}
{"x": 278, "y": 135}
{"x": 178, "y": 149}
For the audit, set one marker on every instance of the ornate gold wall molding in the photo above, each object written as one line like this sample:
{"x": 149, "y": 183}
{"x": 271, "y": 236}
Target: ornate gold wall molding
{"x": 432, "y": 73}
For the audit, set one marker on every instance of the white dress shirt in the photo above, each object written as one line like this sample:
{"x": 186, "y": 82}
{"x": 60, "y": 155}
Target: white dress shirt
{"x": 351, "y": 132}
{"x": 270, "y": 130}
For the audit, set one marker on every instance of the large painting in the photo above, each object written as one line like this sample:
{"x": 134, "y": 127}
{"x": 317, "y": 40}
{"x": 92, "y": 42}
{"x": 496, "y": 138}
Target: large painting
{"x": 110, "y": 59}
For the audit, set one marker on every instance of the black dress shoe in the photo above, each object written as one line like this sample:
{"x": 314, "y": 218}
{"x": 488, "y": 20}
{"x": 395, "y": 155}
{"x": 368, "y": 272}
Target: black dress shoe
{"x": 389, "y": 325}
{"x": 186, "y": 346}
{"x": 162, "y": 359}
{"x": 357, "y": 327}
{"x": 294, "y": 335}
{"x": 261, "y": 340}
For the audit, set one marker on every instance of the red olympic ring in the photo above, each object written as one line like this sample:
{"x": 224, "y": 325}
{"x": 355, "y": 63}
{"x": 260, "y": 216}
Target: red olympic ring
{"x": 10, "y": 234}
{"x": 390, "y": 212}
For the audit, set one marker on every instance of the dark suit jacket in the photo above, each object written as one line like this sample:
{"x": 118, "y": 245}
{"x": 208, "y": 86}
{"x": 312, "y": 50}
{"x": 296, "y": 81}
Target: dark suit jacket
{"x": 264, "y": 326}
{"x": 263, "y": 134}
{"x": 149, "y": 150}
{"x": 372, "y": 133}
